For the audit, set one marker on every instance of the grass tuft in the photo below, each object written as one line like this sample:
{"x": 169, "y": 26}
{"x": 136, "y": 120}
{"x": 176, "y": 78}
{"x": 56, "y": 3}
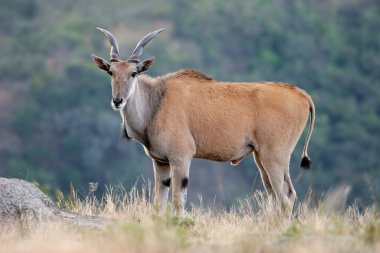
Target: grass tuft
{"x": 251, "y": 226}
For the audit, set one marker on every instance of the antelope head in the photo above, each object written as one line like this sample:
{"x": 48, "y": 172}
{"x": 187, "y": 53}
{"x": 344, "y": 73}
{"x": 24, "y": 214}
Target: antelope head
{"x": 124, "y": 73}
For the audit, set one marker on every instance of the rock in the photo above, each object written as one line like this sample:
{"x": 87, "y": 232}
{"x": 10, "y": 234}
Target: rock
{"x": 23, "y": 203}
{"x": 83, "y": 220}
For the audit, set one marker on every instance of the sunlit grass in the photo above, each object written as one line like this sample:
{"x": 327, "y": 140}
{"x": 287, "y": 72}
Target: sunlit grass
{"x": 251, "y": 226}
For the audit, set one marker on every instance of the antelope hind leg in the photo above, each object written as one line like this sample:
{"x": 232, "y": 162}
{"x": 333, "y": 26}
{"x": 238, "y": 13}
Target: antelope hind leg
{"x": 277, "y": 168}
{"x": 264, "y": 175}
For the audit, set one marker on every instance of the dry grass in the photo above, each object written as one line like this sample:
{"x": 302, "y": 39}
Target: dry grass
{"x": 252, "y": 226}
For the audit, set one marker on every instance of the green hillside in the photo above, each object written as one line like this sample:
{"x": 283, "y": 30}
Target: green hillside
{"x": 57, "y": 127}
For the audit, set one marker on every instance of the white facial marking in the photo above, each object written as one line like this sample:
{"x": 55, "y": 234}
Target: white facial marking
{"x": 132, "y": 89}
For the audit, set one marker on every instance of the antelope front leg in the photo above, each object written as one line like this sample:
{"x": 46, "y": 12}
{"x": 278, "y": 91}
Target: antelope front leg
{"x": 161, "y": 185}
{"x": 180, "y": 179}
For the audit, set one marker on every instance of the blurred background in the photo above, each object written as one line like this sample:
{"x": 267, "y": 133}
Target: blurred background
{"x": 57, "y": 125}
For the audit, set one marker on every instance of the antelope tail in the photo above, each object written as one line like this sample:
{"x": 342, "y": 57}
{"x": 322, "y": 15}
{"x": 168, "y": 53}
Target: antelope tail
{"x": 306, "y": 162}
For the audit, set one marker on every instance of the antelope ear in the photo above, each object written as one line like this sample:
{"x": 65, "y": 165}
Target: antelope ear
{"x": 101, "y": 63}
{"x": 145, "y": 65}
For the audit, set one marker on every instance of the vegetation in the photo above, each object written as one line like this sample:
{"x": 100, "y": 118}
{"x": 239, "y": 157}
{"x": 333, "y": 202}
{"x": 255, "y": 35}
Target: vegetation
{"x": 56, "y": 125}
{"x": 251, "y": 226}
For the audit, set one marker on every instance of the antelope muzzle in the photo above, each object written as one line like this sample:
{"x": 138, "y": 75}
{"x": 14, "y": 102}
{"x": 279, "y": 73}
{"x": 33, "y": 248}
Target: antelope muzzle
{"x": 117, "y": 102}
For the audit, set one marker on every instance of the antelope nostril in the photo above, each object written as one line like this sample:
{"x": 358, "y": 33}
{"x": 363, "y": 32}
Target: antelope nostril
{"x": 117, "y": 101}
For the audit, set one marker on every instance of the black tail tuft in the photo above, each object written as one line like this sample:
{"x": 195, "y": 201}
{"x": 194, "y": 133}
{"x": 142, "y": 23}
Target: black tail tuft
{"x": 306, "y": 163}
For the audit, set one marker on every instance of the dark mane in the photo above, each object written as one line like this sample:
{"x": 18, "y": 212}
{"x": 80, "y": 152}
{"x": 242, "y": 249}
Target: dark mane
{"x": 192, "y": 73}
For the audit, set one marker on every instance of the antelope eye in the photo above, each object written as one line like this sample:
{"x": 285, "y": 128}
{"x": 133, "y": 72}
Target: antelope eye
{"x": 134, "y": 74}
{"x": 110, "y": 72}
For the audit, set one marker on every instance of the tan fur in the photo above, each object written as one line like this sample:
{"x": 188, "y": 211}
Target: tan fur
{"x": 189, "y": 115}
{"x": 224, "y": 118}
{"x": 222, "y": 121}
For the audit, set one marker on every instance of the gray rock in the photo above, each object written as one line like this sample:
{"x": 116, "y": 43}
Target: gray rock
{"x": 22, "y": 203}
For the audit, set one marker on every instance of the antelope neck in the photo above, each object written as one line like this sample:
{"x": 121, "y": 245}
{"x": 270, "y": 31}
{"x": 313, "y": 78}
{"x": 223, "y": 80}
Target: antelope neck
{"x": 140, "y": 107}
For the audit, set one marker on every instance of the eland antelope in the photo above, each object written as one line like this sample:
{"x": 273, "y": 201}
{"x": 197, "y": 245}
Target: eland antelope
{"x": 187, "y": 114}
